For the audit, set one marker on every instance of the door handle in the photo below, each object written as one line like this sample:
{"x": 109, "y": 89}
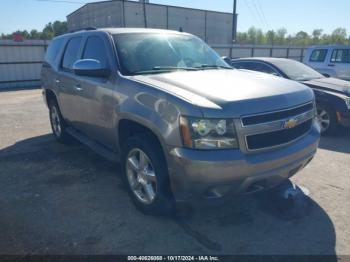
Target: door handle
{"x": 78, "y": 87}
{"x": 57, "y": 81}
{"x": 331, "y": 65}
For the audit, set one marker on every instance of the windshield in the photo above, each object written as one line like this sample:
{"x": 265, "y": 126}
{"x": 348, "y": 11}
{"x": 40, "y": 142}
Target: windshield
{"x": 149, "y": 53}
{"x": 297, "y": 71}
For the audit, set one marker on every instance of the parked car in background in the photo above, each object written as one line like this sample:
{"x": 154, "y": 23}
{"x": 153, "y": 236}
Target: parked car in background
{"x": 182, "y": 122}
{"x": 330, "y": 61}
{"x": 332, "y": 95}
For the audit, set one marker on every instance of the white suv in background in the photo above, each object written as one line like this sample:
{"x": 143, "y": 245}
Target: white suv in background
{"x": 331, "y": 61}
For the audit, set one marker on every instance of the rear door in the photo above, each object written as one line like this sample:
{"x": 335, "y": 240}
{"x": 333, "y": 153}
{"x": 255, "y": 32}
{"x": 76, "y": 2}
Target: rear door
{"x": 49, "y": 77}
{"x": 340, "y": 61}
{"x": 69, "y": 89}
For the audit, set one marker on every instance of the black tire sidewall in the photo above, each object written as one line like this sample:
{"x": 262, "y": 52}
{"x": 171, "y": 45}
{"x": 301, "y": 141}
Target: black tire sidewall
{"x": 63, "y": 137}
{"x": 163, "y": 203}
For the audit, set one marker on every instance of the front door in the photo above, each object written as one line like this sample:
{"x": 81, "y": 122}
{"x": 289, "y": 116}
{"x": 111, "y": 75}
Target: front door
{"x": 98, "y": 102}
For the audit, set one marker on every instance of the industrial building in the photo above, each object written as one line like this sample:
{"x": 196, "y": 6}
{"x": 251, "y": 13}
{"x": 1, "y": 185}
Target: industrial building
{"x": 213, "y": 27}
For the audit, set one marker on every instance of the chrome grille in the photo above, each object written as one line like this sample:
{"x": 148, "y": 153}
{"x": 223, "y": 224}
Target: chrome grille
{"x": 274, "y": 129}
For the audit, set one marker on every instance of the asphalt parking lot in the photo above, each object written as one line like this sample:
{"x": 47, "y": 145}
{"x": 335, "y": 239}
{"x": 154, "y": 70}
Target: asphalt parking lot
{"x": 57, "y": 199}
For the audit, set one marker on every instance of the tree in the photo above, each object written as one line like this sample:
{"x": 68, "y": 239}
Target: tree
{"x": 316, "y": 35}
{"x": 339, "y": 36}
{"x": 260, "y": 37}
{"x": 34, "y": 34}
{"x": 59, "y": 28}
{"x": 252, "y": 33}
{"x": 289, "y": 39}
{"x": 326, "y": 39}
{"x": 302, "y": 38}
{"x": 281, "y": 36}
{"x": 242, "y": 37}
{"x": 270, "y": 37}
{"x": 48, "y": 32}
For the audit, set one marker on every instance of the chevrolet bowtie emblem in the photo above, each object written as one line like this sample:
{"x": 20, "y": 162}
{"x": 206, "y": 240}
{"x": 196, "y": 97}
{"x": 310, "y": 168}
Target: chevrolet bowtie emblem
{"x": 290, "y": 123}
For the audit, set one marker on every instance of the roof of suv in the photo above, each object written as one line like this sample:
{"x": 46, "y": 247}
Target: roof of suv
{"x": 122, "y": 30}
{"x": 114, "y": 30}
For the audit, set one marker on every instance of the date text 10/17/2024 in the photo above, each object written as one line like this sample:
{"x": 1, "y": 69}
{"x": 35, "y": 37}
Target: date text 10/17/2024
{"x": 173, "y": 258}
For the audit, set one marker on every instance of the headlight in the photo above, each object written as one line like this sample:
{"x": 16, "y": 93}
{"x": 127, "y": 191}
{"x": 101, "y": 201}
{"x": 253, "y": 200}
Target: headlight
{"x": 208, "y": 133}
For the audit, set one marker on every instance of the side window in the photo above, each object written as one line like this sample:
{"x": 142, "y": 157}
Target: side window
{"x": 95, "y": 49}
{"x": 260, "y": 67}
{"x": 238, "y": 65}
{"x": 71, "y": 53}
{"x": 341, "y": 56}
{"x": 265, "y": 69}
{"x": 318, "y": 55}
{"x": 243, "y": 65}
{"x": 53, "y": 51}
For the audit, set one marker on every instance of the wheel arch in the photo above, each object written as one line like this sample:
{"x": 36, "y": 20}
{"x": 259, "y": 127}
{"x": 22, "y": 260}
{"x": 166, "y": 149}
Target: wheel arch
{"x": 50, "y": 95}
{"x": 128, "y": 127}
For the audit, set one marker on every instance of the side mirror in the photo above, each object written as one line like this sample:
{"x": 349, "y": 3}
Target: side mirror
{"x": 90, "y": 67}
{"x": 227, "y": 59}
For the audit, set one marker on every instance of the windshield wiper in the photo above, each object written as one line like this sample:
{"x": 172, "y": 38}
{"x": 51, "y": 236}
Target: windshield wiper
{"x": 175, "y": 68}
{"x": 206, "y": 66}
{"x": 164, "y": 69}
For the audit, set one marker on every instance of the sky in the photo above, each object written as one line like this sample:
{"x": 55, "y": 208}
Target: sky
{"x": 294, "y": 15}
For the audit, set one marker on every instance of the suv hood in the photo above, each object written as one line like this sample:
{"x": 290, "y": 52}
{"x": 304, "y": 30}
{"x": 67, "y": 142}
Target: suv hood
{"x": 237, "y": 91}
{"x": 330, "y": 84}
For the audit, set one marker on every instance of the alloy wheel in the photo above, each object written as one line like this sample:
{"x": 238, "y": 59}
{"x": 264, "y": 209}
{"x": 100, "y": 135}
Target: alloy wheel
{"x": 141, "y": 176}
{"x": 323, "y": 119}
{"x": 56, "y": 121}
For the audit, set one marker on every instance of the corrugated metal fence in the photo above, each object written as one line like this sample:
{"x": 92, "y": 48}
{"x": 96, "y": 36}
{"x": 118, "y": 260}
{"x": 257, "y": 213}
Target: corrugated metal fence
{"x": 241, "y": 51}
{"x": 20, "y": 62}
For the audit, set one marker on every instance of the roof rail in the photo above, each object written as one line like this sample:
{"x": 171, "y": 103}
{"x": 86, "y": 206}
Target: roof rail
{"x": 91, "y": 28}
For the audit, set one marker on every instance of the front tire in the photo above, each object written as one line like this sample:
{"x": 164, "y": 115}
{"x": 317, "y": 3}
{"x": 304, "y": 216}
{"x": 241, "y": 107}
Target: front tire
{"x": 146, "y": 175}
{"x": 327, "y": 119}
{"x": 58, "y": 124}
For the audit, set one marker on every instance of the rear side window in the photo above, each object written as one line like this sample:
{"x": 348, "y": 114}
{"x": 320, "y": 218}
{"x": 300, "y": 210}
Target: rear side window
{"x": 244, "y": 65}
{"x": 53, "y": 51}
{"x": 260, "y": 67}
{"x": 341, "y": 56}
{"x": 71, "y": 53}
{"x": 318, "y": 55}
{"x": 95, "y": 49}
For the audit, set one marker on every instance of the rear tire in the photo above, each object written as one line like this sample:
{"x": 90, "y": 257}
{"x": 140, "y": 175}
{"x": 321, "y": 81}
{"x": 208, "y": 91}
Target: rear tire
{"x": 145, "y": 173}
{"x": 327, "y": 119}
{"x": 58, "y": 124}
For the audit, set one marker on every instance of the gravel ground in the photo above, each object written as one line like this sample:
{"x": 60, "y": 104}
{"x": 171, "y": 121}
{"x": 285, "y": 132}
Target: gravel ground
{"x": 57, "y": 199}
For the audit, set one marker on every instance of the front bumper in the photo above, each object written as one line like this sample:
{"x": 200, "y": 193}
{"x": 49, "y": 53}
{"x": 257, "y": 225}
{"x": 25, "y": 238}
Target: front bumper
{"x": 214, "y": 174}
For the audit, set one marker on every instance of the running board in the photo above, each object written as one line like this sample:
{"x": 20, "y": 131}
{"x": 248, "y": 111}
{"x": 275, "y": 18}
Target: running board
{"x": 95, "y": 146}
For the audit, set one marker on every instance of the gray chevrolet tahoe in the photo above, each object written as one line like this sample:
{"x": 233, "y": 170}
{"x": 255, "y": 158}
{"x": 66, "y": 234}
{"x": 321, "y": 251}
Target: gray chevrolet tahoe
{"x": 183, "y": 124}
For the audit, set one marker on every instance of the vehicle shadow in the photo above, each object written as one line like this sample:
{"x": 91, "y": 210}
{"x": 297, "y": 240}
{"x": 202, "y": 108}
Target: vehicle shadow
{"x": 60, "y": 199}
{"x": 338, "y": 143}
{"x": 265, "y": 223}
